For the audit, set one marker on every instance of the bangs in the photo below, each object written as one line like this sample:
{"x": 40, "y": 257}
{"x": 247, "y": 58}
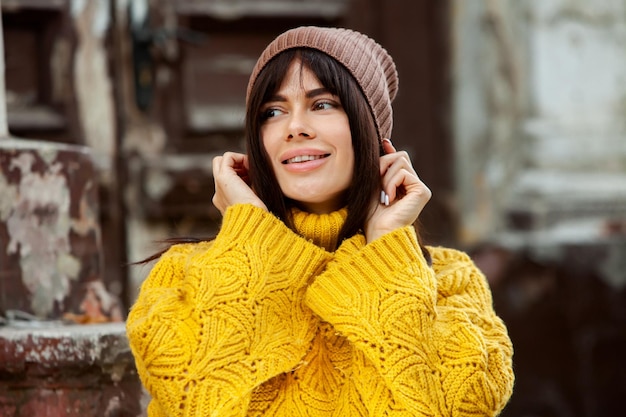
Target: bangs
{"x": 324, "y": 68}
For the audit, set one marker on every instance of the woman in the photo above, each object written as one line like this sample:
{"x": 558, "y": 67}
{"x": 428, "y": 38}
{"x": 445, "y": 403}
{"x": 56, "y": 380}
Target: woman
{"x": 316, "y": 297}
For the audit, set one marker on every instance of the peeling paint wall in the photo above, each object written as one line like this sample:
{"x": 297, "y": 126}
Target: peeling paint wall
{"x": 49, "y": 229}
{"x": 38, "y": 229}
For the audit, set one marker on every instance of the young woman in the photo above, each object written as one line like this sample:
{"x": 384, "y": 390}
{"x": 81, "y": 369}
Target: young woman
{"x": 316, "y": 298}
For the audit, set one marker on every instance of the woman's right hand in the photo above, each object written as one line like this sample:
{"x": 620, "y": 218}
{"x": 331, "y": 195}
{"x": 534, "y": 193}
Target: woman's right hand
{"x": 230, "y": 173}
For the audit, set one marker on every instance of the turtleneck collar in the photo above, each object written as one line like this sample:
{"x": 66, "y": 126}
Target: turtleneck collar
{"x": 321, "y": 229}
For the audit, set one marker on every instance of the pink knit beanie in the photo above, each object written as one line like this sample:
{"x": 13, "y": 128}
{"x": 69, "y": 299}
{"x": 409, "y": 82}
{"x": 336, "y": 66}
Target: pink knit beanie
{"x": 370, "y": 64}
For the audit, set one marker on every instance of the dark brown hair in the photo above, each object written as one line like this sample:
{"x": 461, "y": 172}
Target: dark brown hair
{"x": 365, "y": 184}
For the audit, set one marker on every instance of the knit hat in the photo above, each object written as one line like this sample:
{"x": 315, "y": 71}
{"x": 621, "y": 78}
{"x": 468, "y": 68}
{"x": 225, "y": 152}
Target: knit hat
{"x": 369, "y": 63}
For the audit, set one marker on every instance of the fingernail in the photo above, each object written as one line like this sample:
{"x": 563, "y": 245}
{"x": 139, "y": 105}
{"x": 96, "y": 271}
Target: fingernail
{"x": 387, "y": 140}
{"x": 382, "y": 197}
{"x": 386, "y": 199}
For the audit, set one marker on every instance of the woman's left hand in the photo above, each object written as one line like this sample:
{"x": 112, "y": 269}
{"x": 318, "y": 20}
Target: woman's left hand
{"x": 407, "y": 195}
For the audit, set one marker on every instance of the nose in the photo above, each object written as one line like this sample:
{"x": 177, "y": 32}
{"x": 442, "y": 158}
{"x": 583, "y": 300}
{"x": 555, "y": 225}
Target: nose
{"x": 299, "y": 126}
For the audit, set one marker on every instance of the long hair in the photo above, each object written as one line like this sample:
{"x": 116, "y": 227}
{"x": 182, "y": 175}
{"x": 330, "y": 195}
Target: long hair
{"x": 366, "y": 182}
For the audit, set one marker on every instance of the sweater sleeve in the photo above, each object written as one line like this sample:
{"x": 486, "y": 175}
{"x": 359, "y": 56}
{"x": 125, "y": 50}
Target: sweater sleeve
{"x": 430, "y": 333}
{"x": 215, "y": 320}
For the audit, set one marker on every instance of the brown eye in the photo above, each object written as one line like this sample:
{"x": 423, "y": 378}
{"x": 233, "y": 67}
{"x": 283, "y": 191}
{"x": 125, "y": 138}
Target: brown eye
{"x": 324, "y": 105}
{"x": 269, "y": 113}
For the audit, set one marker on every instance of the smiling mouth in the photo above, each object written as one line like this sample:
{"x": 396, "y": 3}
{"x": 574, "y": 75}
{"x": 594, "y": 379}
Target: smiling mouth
{"x": 304, "y": 158}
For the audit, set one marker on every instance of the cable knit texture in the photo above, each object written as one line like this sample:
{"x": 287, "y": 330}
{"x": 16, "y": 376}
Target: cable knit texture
{"x": 263, "y": 321}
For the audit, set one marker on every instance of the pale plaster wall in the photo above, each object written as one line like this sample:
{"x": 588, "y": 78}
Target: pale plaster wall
{"x": 489, "y": 96}
{"x": 539, "y": 110}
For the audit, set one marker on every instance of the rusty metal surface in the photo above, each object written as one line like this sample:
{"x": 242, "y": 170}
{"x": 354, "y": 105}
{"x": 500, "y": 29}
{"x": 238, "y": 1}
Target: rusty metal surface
{"x": 49, "y": 231}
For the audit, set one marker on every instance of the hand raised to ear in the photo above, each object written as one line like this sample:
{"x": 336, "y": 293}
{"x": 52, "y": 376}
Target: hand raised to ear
{"x": 406, "y": 195}
{"x": 230, "y": 173}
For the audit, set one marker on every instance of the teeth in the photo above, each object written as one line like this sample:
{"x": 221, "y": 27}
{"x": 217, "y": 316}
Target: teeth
{"x": 304, "y": 158}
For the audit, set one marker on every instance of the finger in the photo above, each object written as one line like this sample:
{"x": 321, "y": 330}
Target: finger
{"x": 391, "y": 183}
{"x": 234, "y": 160}
{"x": 388, "y": 146}
{"x": 217, "y": 163}
{"x": 401, "y": 183}
{"x": 389, "y": 164}
{"x": 231, "y": 163}
{"x": 244, "y": 170}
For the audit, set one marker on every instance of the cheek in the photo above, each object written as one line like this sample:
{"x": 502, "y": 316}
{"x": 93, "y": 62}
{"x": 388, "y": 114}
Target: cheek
{"x": 346, "y": 145}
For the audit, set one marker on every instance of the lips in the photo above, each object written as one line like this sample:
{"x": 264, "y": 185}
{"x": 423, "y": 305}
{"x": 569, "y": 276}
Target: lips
{"x": 304, "y": 158}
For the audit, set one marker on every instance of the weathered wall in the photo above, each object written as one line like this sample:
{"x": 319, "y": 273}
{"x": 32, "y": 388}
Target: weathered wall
{"x": 539, "y": 99}
{"x": 52, "y": 259}
{"x": 59, "y": 89}
{"x": 489, "y": 100}
{"x": 50, "y": 245}
{"x": 540, "y": 138}
{"x": 68, "y": 371}
{"x": 93, "y": 82}
{"x": 539, "y": 93}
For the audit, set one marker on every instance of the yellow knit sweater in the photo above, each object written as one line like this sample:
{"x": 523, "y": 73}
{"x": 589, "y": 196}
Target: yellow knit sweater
{"x": 262, "y": 321}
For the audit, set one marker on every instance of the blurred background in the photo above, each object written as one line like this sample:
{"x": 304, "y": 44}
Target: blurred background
{"x": 514, "y": 112}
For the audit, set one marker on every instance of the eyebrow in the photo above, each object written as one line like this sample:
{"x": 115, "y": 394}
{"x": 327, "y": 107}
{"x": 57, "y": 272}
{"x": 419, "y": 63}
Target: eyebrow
{"x": 309, "y": 94}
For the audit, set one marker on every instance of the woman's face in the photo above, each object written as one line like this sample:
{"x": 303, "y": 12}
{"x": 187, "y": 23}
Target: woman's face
{"x": 307, "y": 136}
